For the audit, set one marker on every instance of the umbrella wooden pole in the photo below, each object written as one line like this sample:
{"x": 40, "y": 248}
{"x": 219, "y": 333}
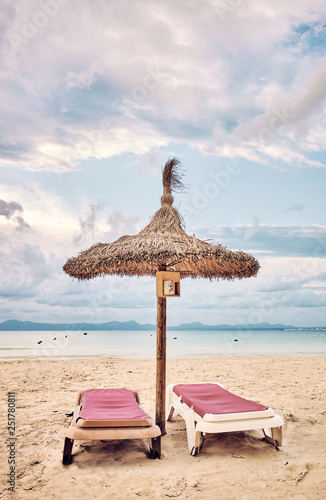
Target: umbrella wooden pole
{"x": 160, "y": 364}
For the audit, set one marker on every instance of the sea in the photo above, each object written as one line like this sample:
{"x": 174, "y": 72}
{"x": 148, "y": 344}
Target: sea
{"x": 180, "y": 344}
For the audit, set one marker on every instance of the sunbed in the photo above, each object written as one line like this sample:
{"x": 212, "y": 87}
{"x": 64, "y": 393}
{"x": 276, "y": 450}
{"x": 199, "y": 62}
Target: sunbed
{"x": 209, "y": 408}
{"x": 110, "y": 414}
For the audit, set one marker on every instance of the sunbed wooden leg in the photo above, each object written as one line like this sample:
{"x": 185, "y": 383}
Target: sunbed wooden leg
{"x": 275, "y": 438}
{"x": 155, "y": 447}
{"x": 66, "y": 459}
{"x": 170, "y": 416}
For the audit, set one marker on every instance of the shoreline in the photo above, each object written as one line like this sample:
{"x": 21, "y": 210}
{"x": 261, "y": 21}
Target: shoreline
{"x": 188, "y": 358}
{"x": 231, "y": 466}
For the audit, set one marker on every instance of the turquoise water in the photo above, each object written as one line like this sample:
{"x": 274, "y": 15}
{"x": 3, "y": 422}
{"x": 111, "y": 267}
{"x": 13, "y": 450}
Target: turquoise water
{"x": 180, "y": 344}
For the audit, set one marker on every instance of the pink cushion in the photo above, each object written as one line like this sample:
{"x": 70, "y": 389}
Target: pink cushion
{"x": 111, "y": 404}
{"x": 211, "y": 398}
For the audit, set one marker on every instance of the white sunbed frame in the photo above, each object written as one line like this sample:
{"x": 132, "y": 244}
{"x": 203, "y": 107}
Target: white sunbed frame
{"x": 267, "y": 420}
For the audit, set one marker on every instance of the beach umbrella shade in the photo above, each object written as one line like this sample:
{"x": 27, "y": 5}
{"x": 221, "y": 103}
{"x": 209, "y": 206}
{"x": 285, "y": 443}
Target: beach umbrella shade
{"x": 162, "y": 245}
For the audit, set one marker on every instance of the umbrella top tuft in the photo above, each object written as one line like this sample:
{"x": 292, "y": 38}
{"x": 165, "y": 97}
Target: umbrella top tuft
{"x": 172, "y": 180}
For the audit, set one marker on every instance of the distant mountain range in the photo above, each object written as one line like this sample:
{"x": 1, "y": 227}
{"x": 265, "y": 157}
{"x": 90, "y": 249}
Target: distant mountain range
{"x": 15, "y": 325}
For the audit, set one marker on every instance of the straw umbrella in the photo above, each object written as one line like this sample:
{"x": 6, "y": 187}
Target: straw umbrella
{"x": 162, "y": 245}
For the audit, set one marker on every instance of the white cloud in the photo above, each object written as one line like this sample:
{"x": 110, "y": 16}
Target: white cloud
{"x": 47, "y": 214}
{"x": 170, "y": 72}
{"x": 284, "y": 131}
{"x": 82, "y": 79}
{"x": 23, "y": 269}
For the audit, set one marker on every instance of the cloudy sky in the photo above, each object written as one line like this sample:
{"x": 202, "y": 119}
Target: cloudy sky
{"x": 96, "y": 96}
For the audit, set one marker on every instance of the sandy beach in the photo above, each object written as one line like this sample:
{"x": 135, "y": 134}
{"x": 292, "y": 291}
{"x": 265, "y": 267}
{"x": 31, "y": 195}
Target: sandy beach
{"x": 230, "y": 466}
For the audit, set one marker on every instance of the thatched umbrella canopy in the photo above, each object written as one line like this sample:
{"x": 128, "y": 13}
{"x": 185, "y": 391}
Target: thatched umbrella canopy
{"x": 162, "y": 244}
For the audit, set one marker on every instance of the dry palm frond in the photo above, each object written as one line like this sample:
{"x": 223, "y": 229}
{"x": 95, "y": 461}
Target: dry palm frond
{"x": 172, "y": 180}
{"x": 172, "y": 175}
